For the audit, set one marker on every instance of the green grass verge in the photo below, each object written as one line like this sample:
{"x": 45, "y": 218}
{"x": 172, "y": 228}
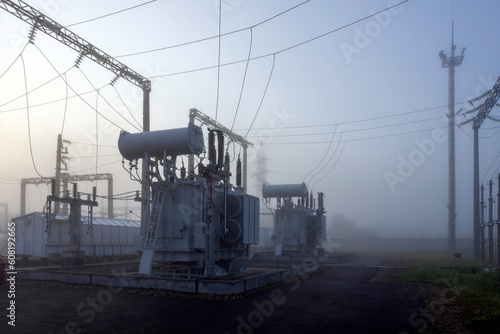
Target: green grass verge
{"x": 479, "y": 288}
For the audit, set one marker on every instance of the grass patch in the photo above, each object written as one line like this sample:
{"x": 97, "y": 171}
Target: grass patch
{"x": 479, "y": 288}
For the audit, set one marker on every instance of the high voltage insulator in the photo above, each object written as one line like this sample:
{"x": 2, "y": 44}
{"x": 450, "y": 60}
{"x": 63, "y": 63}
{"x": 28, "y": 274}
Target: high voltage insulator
{"x": 114, "y": 80}
{"x": 79, "y": 60}
{"x": 470, "y": 111}
{"x": 480, "y": 97}
{"x": 32, "y": 34}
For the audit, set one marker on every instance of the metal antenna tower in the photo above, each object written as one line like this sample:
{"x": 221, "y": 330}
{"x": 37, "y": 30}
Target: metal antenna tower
{"x": 451, "y": 61}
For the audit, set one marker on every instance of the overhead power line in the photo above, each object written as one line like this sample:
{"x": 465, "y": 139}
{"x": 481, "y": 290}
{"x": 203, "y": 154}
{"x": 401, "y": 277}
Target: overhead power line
{"x": 244, "y": 79}
{"x": 356, "y": 139}
{"x": 263, "y": 96}
{"x": 212, "y": 37}
{"x": 28, "y": 116}
{"x": 282, "y": 50}
{"x": 74, "y": 91}
{"x": 110, "y": 14}
{"x": 348, "y": 131}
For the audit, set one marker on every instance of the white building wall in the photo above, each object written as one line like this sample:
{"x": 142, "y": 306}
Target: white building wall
{"x": 115, "y": 238}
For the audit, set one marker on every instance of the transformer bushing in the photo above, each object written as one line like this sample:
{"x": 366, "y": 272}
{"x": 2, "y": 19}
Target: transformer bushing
{"x": 195, "y": 226}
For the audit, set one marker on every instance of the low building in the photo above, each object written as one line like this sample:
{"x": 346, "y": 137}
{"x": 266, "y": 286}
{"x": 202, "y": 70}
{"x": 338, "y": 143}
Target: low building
{"x": 104, "y": 237}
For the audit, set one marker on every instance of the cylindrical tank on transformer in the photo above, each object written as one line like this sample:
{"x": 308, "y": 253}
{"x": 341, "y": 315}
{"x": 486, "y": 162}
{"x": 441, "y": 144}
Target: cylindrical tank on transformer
{"x": 284, "y": 190}
{"x": 174, "y": 142}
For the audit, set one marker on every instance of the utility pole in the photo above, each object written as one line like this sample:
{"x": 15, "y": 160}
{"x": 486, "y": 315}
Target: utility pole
{"x": 451, "y": 61}
{"x": 498, "y": 221}
{"x": 482, "y": 114}
{"x": 490, "y": 223}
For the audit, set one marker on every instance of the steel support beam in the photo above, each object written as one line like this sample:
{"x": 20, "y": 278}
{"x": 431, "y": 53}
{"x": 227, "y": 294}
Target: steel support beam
{"x": 204, "y": 119}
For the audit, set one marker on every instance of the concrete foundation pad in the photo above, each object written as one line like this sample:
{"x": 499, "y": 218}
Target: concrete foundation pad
{"x": 119, "y": 275}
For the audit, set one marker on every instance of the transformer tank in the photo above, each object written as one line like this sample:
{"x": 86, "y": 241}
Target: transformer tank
{"x": 196, "y": 224}
{"x": 299, "y": 228}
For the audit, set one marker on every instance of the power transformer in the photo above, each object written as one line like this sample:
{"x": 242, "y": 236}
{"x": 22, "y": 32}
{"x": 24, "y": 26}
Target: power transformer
{"x": 299, "y": 228}
{"x": 196, "y": 222}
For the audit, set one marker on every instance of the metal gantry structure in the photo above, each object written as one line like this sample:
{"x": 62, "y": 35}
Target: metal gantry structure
{"x": 50, "y": 27}
{"x": 195, "y": 114}
{"x": 451, "y": 61}
{"x": 66, "y": 179}
{"x": 482, "y": 114}
{"x": 41, "y": 22}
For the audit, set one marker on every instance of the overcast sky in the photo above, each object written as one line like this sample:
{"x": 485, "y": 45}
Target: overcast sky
{"x": 354, "y": 107}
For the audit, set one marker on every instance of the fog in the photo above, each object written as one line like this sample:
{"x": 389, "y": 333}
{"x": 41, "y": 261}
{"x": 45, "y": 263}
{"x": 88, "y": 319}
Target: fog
{"x": 358, "y": 114}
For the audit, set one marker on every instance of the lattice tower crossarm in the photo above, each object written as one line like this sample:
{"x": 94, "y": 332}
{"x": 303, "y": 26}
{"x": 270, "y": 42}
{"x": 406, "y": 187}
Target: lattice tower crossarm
{"x": 488, "y": 104}
{"x": 204, "y": 119}
{"x": 50, "y": 27}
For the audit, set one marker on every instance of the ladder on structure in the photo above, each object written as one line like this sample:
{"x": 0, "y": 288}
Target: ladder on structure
{"x": 153, "y": 217}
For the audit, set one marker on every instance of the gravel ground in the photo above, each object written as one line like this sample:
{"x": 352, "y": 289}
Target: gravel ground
{"x": 444, "y": 312}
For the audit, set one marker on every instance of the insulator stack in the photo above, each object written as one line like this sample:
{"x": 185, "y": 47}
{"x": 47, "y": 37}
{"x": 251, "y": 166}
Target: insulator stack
{"x": 114, "y": 80}
{"x": 79, "y": 60}
{"x": 220, "y": 144}
{"x": 53, "y": 191}
{"x": 238, "y": 173}
{"x": 32, "y": 34}
{"x": 227, "y": 163}
{"x": 320, "y": 201}
{"x": 211, "y": 148}
{"x": 183, "y": 172}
